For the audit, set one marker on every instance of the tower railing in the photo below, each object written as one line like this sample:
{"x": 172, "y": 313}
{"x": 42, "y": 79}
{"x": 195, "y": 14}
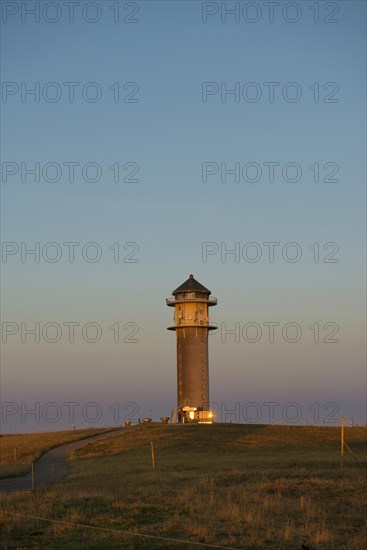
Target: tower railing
{"x": 210, "y": 300}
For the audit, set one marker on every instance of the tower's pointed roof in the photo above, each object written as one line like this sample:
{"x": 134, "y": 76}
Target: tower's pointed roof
{"x": 191, "y": 285}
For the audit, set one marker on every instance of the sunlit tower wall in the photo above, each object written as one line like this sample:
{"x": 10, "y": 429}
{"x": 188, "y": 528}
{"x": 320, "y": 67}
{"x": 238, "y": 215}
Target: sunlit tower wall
{"x": 191, "y": 318}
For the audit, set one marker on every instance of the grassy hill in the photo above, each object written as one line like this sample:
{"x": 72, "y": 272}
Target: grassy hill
{"x": 18, "y": 451}
{"x": 228, "y": 485}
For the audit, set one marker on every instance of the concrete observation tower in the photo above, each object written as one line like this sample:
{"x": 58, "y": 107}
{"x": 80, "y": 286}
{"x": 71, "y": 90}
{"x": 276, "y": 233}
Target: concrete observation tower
{"x": 191, "y": 301}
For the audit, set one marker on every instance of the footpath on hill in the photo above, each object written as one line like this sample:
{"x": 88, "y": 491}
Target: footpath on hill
{"x": 50, "y": 467}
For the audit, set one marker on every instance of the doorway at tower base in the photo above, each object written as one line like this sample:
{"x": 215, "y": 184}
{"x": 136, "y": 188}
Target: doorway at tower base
{"x": 194, "y": 415}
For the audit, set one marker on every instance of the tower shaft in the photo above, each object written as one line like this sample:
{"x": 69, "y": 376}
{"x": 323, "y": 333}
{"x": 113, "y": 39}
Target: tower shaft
{"x": 192, "y": 367}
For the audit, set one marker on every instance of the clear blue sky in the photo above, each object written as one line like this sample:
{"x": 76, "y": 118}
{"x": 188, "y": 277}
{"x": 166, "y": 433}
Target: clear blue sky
{"x": 169, "y": 132}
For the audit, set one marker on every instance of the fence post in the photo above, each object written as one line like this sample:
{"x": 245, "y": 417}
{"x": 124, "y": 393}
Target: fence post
{"x": 153, "y": 460}
{"x": 342, "y": 440}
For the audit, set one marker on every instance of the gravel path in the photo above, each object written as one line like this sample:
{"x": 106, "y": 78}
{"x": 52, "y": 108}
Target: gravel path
{"x": 50, "y": 467}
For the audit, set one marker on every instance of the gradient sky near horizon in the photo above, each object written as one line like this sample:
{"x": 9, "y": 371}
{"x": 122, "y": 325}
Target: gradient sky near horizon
{"x": 169, "y": 132}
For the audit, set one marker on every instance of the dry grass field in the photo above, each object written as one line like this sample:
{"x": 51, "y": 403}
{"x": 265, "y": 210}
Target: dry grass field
{"x": 17, "y": 452}
{"x": 226, "y": 485}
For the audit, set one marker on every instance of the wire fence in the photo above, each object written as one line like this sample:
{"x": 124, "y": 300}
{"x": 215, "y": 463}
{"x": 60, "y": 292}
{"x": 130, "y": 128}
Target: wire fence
{"x": 122, "y": 532}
